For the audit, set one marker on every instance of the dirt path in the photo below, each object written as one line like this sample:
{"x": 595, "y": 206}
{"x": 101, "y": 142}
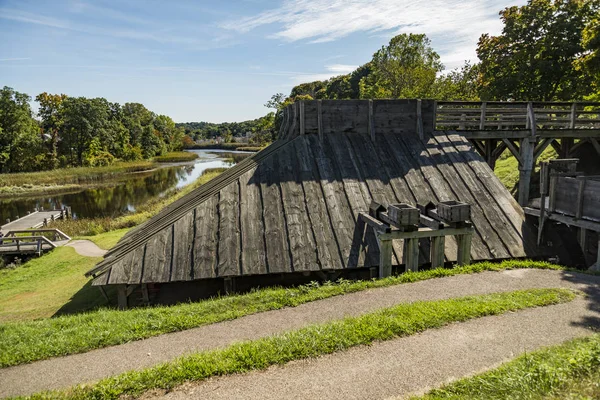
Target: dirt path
{"x": 86, "y": 248}
{"x": 94, "y": 365}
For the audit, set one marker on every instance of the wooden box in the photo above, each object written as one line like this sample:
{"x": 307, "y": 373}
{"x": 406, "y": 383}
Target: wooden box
{"x": 403, "y": 214}
{"x": 454, "y": 211}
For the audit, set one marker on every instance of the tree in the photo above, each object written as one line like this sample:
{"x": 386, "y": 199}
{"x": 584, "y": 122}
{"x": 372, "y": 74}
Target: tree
{"x": 51, "y": 113}
{"x": 458, "y": 84}
{"x": 406, "y": 68}
{"x": 20, "y": 141}
{"x": 590, "y": 62}
{"x": 536, "y": 55}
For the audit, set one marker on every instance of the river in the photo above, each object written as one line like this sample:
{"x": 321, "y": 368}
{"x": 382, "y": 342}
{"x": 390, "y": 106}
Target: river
{"x": 126, "y": 194}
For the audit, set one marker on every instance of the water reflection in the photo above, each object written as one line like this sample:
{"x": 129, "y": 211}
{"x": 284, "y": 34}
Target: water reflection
{"x": 124, "y": 196}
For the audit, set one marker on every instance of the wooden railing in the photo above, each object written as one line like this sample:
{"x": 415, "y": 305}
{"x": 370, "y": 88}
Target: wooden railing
{"x": 56, "y": 234}
{"x": 483, "y": 116}
{"x": 25, "y": 244}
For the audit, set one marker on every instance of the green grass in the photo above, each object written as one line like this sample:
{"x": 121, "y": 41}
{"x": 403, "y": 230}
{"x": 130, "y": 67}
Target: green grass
{"x": 64, "y": 179}
{"x": 313, "y": 341}
{"x": 567, "y": 371}
{"x": 507, "y": 167}
{"x": 45, "y": 286}
{"x": 176, "y": 156}
{"x": 106, "y": 240}
{"x": 26, "y": 341}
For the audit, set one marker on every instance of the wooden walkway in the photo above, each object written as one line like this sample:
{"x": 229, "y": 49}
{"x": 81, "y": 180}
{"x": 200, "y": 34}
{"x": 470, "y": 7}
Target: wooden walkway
{"x": 34, "y": 220}
{"x": 31, "y": 241}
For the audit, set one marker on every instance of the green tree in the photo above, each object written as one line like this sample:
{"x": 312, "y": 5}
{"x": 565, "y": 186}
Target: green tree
{"x": 458, "y": 84}
{"x": 51, "y": 113}
{"x": 535, "y": 57}
{"x": 20, "y": 140}
{"x": 406, "y": 68}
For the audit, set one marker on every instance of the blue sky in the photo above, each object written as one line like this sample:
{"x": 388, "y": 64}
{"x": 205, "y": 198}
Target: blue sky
{"x": 217, "y": 60}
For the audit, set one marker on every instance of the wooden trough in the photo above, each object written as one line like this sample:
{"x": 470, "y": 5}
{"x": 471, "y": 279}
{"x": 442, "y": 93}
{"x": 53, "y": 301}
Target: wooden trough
{"x": 298, "y": 207}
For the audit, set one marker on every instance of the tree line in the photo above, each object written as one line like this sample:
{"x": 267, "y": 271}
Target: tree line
{"x": 78, "y": 131}
{"x": 549, "y": 50}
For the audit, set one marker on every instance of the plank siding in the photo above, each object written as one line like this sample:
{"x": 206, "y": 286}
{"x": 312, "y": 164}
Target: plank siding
{"x": 294, "y": 206}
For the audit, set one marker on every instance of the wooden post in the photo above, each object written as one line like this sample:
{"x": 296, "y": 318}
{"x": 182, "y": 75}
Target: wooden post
{"x": 482, "y": 117}
{"x": 583, "y": 239}
{"x": 461, "y": 125}
{"x": 526, "y": 151}
{"x": 302, "y": 127}
{"x": 145, "y": 295}
{"x": 371, "y": 122}
{"x": 228, "y": 285}
{"x": 420, "y": 120}
{"x": 464, "y": 249}
{"x": 438, "y": 245}
{"x": 581, "y": 189}
{"x": 573, "y": 115}
{"x": 411, "y": 255}
{"x": 122, "y": 297}
{"x": 385, "y": 257}
{"x": 320, "y": 119}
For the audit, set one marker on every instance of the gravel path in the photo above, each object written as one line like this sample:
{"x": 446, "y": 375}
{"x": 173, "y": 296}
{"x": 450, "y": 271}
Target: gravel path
{"x": 86, "y": 248}
{"x": 66, "y": 371}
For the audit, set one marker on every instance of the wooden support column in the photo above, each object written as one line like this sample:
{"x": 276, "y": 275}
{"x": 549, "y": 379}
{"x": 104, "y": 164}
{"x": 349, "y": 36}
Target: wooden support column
{"x": 122, "y": 297}
{"x": 371, "y": 121}
{"x": 385, "y": 257}
{"x": 410, "y": 254}
{"x": 525, "y": 169}
{"x": 228, "y": 285}
{"x": 420, "y": 121}
{"x": 302, "y": 121}
{"x": 145, "y": 295}
{"x": 464, "y": 249}
{"x": 320, "y": 119}
{"x": 438, "y": 244}
{"x": 583, "y": 239}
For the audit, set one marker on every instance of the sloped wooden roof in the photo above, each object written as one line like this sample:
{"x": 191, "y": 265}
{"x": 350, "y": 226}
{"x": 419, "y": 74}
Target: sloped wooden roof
{"x": 293, "y": 207}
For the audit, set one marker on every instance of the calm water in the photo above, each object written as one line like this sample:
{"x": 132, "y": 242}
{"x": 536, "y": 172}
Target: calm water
{"x": 126, "y": 195}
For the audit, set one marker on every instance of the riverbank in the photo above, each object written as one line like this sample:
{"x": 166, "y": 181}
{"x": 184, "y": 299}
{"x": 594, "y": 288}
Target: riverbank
{"x": 225, "y": 146}
{"x": 94, "y": 226}
{"x": 67, "y": 179}
{"x": 176, "y": 157}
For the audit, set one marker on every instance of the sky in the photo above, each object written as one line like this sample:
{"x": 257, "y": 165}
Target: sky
{"x": 217, "y": 60}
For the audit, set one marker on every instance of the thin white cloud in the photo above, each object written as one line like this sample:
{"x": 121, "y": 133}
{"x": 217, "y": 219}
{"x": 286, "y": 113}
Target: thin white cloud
{"x": 317, "y": 21}
{"x": 332, "y": 70}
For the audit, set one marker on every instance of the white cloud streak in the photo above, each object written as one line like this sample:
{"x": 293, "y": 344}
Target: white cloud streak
{"x": 318, "y": 21}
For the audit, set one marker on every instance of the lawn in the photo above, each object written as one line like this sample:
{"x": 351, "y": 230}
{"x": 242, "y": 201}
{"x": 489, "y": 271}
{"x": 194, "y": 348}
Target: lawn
{"x": 507, "y": 167}
{"x": 313, "y": 341}
{"x": 567, "y": 371}
{"x": 106, "y": 240}
{"x": 27, "y": 341}
{"x": 46, "y": 286}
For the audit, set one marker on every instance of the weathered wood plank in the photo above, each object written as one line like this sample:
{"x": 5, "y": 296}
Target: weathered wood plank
{"x": 157, "y": 262}
{"x": 205, "y": 242}
{"x": 229, "y": 233}
{"x": 276, "y": 236}
{"x": 300, "y": 234}
{"x": 339, "y": 209}
{"x": 252, "y": 228}
{"x": 506, "y": 233}
{"x": 182, "y": 248}
{"x": 325, "y": 237}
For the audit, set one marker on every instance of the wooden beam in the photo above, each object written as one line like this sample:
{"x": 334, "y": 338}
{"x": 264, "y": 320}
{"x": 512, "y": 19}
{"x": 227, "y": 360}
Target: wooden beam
{"x": 385, "y": 257}
{"x": 371, "y": 121}
{"x": 320, "y": 119}
{"x": 374, "y": 223}
{"x": 479, "y": 146}
{"x": 514, "y": 150}
{"x": 565, "y": 219}
{"x": 410, "y": 255}
{"x": 122, "y": 297}
{"x": 464, "y": 249}
{"x": 482, "y": 117}
{"x": 302, "y": 120}
{"x": 596, "y": 145}
{"x": 420, "y": 121}
{"x": 540, "y": 148}
{"x": 438, "y": 245}
{"x": 525, "y": 169}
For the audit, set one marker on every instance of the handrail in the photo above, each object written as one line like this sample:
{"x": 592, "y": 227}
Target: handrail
{"x": 57, "y": 232}
{"x": 517, "y": 116}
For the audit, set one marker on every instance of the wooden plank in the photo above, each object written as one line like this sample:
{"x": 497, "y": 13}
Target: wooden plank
{"x": 439, "y": 169}
{"x": 464, "y": 246}
{"x": 506, "y": 237}
{"x": 326, "y": 238}
{"x": 302, "y": 118}
{"x": 320, "y": 119}
{"x": 276, "y": 236}
{"x": 505, "y": 201}
{"x": 157, "y": 260}
{"x": 410, "y": 256}
{"x": 252, "y": 228}
{"x": 300, "y": 234}
{"x": 342, "y": 219}
{"x": 228, "y": 245}
{"x": 182, "y": 248}
{"x": 437, "y": 251}
{"x": 205, "y": 241}
{"x": 385, "y": 258}
{"x": 354, "y": 184}
{"x": 371, "y": 122}
{"x": 423, "y": 189}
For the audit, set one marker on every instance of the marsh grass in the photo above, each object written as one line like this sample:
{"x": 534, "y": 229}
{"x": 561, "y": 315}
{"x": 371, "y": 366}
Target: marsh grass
{"x": 313, "y": 341}
{"x": 28, "y": 341}
{"x": 176, "y": 156}
{"x": 567, "y": 371}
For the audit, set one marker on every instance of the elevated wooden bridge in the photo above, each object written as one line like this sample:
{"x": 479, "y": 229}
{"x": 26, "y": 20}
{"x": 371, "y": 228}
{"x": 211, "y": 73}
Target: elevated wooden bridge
{"x": 36, "y": 219}
{"x": 21, "y": 242}
{"x": 526, "y": 129}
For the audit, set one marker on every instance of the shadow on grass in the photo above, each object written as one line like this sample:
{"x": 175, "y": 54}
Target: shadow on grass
{"x": 87, "y": 298}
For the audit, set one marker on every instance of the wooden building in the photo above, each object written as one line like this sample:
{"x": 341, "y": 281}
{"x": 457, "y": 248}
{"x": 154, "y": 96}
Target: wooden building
{"x": 293, "y": 207}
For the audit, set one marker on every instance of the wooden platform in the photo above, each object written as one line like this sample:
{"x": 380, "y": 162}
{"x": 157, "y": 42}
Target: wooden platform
{"x": 33, "y": 220}
{"x": 294, "y": 206}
